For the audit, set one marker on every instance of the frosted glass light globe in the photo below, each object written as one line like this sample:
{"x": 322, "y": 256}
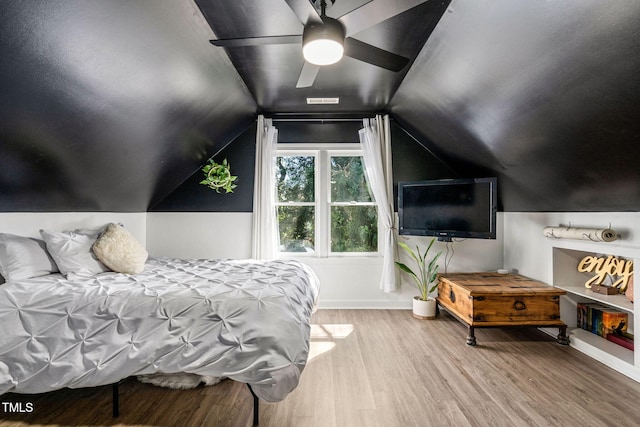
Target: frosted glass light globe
{"x": 323, "y": 51}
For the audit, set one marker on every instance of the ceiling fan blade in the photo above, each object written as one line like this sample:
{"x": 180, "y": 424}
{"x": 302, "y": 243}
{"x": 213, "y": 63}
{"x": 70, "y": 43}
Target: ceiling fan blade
{"x": 257, "y": 41}
{"x": 305, "y": 11}
{"x": 373, "y": 55}
{"x": 307, "y": 75}
{"x": 375, "y": 12}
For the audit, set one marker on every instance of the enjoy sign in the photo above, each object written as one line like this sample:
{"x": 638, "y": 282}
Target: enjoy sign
{"x": 619, "y": 269}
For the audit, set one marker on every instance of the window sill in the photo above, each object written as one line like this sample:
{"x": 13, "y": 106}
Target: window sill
{"x": 336, "y": 259}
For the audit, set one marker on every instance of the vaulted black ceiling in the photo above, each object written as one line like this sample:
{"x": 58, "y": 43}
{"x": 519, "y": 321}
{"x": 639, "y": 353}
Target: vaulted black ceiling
{"x": 271, "y": 71}
{"x": 111, "y": 105}
{"x": 545, "y": 95}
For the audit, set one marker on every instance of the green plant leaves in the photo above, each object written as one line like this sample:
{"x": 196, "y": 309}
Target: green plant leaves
{"x": 218, "y": 176}
{"x": 426, "y": 273}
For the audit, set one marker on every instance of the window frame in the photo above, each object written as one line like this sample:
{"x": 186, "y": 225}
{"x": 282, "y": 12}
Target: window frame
{"x": 316, "y": 182}
{"x": 322, "y": 194}
{"x": 330, "y": 203}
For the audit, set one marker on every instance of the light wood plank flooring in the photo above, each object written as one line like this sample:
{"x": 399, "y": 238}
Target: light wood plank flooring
{"x": 382, "y": 368}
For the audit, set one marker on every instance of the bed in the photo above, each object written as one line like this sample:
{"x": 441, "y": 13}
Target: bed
{"x": 245, "y": 320}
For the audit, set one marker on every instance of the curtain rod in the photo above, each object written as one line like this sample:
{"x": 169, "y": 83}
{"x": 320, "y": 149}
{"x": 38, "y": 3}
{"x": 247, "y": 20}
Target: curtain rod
{"x": 319, "y": 117}
{"x": 317, "y": 120}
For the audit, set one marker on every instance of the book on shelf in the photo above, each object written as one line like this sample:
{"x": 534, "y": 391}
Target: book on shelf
{"x": 585, "y": 314}
{"x": 621, "y": 340}
{"x": 582, "y": 315}
{"x": 596, "y": 320}
{"x": 614, "y": 321}
{"x": 601, "y": 320}
{"x": 627, "y": 335}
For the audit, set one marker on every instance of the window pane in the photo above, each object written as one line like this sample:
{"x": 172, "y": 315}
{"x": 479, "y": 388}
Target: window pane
{"x": 295, "y": 178}
{"x": 348, "y": 183}
{"x": 297, "y": 228}
{"x": 354, "y": 229}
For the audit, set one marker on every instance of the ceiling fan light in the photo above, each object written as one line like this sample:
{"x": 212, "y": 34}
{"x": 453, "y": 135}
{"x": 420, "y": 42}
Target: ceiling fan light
{"x": 323, "y": 44}
{"x": 323, "y": 52}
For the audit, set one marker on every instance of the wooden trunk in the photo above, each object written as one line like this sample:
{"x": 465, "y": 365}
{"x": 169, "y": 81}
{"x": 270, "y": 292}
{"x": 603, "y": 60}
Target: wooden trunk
{"x": 493, "y": 299}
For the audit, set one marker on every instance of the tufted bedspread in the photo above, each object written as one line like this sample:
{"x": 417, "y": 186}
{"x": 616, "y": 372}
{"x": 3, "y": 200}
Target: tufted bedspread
{"x": 245, "y": 320}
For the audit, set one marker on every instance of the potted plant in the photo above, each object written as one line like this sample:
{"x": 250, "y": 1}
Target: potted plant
{"x": 424, "y": 305}
{"x": 218, "y": 176}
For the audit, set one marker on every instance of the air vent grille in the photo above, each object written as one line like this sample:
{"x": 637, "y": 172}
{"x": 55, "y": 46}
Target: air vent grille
{"x": 311, "y": 101}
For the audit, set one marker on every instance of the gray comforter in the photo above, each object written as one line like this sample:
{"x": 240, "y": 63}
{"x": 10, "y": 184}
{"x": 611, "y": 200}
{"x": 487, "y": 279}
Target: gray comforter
{"x": 245, "y": 320}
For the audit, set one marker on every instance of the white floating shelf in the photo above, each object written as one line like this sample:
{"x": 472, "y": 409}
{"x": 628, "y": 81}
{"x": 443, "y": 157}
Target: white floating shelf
{"x": 611, "y": 354}
{"x": 618, "y": 301}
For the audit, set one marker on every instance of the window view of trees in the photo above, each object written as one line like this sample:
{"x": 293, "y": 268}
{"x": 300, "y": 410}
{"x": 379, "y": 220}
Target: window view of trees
{"x": 354, "y": 218}
{"x": 349, "y": 205}
{"x": 295, "y": 184}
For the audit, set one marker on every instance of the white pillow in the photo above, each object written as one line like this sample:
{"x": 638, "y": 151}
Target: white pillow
{"x": 120, "y": 251}
{"x": 23, "y": 258}
{"x": 71, "y": 250}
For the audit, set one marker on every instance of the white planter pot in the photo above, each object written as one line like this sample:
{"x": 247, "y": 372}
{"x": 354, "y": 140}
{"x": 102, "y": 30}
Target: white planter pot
{"x": 424, "y": 309}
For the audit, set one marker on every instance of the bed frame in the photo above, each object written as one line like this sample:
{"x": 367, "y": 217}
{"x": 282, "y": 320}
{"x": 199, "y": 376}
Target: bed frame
{"x": 116, "y": 402}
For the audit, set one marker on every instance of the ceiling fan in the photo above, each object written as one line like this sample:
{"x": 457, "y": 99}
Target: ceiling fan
{"x": 330, "y": 38}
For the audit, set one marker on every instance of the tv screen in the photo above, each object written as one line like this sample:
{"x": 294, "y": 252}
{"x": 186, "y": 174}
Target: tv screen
{"x": 447, "y": 208}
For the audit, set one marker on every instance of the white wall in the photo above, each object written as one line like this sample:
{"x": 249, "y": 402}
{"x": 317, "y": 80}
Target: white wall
{"x": 349, "y": 282}
{"x": 199, "y": 234}
{"x": 530, "y": 253}
{"x": 29, "y": 223}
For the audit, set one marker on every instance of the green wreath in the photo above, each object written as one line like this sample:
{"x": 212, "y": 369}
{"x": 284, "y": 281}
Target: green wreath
{"x": 218, "y": 176}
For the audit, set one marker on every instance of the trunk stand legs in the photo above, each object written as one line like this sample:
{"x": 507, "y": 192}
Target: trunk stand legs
{"x": 560, "y": 339}
{"x": 471, "y": 338}
{"x": 562, "y": 335}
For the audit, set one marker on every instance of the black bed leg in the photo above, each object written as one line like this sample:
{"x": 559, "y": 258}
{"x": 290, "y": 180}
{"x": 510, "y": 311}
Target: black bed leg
{"x": 256, "y": 406}
{"x": 116, "y": 401}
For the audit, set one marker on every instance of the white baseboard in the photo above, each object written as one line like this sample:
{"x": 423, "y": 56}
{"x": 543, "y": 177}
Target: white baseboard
{"x": 370, "y": 304}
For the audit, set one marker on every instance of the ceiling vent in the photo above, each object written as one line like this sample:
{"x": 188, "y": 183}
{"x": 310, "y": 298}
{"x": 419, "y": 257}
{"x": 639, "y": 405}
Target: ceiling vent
{"x": 311, "y": 101}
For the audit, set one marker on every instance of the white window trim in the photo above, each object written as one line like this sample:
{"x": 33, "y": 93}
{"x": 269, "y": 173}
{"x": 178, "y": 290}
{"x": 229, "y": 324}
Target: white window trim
{"x": 302, "y": 152}
{"x": 327, "y": 200}
{"x": 322, "y": 152}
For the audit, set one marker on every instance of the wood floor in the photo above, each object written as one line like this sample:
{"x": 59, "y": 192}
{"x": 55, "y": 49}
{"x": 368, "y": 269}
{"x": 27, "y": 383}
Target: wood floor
{"x": 382, "y": 368}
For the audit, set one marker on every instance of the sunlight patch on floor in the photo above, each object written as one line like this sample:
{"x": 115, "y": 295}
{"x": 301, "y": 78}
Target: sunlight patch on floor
{"x": 324, "y": 336}
{"x": 331, "y": 331}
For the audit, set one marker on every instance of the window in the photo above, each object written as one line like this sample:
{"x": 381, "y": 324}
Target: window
{"x": 296, "y": 206}
{"x": 323, "y": 202}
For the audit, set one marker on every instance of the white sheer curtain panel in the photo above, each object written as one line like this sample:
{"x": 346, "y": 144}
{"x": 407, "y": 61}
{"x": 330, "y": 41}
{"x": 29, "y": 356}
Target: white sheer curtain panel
{"x": 375, "y": 139}
{"x": 265, "y": 226}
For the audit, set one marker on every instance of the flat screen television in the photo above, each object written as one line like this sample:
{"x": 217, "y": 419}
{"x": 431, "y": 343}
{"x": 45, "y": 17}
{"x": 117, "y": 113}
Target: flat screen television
{"x": 448, "y": 208}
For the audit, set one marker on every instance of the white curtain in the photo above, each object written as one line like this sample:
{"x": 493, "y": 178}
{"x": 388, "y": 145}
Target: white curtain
{"x": 375, "y": 139}
{"x": 265, "y": 226}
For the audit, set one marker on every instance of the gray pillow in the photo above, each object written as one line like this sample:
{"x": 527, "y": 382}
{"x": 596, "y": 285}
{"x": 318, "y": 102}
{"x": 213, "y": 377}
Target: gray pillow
{"x": 71, "y": 250}
{"x": 23, "y": 258}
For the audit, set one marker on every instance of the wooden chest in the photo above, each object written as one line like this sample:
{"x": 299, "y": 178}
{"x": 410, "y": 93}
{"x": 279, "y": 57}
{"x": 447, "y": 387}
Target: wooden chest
{"x": 493, "y": 299}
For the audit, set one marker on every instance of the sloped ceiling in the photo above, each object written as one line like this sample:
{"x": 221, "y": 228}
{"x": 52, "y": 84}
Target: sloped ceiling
{"x": 271, "y": 71}
{"x": 545, "y": 95}
{"x": 111, "y": 105}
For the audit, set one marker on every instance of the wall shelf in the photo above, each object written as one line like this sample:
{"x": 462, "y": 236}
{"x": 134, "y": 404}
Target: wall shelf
{"x": 612, "y": 355}
{"x": 596, "y": 344}
{"x": 618, "y": 301}
{"x": 567, "y": 277}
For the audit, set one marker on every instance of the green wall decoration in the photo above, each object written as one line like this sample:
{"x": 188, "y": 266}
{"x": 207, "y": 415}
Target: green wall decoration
{"x": 218, "y": 176}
